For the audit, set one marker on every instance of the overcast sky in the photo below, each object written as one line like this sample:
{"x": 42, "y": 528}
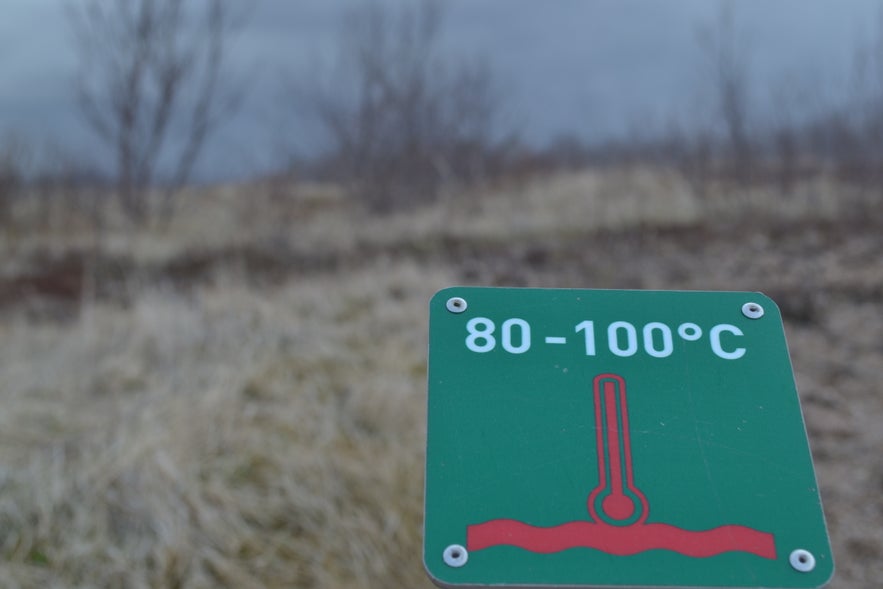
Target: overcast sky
{"x": 591, "y": 68}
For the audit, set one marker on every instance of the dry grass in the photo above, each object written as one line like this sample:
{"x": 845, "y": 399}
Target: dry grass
{"x": 231, "y": 438}
{"x": 239, "y": 431}
{"x": 311, "y": 220}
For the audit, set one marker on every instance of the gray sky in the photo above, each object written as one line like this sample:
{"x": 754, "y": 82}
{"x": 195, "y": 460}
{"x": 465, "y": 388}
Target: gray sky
{"x": 591, "y": 68}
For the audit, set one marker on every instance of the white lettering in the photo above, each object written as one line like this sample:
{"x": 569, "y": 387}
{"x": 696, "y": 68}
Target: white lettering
{"x": 716, "y": 347}
{"x": 631, "y": 339}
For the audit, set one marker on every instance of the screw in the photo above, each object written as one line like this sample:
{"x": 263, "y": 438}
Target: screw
{"x": 752, "y": 310}
{"x": 455, "y": 556}
{"x": 456, "y": 305}
{"x": 802, "y": 560}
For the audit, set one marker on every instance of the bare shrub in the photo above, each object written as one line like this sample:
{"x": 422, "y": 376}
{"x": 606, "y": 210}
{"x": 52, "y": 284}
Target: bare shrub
{"x": 149, "y": 86}
{"x": 401, "y": 118}
{"x": 13, "y": 154}
{"x": 691, "y": 151}
{"x": 789, "y": 145}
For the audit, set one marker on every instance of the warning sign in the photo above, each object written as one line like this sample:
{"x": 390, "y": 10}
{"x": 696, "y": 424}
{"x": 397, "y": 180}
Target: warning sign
{"x": 589, "y": 438}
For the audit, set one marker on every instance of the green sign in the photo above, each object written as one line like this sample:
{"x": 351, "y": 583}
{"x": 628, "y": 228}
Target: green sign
{"x": 601, "y": 438}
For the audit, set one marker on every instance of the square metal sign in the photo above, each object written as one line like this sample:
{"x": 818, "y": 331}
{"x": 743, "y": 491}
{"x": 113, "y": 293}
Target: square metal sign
{"x": 603, "y": 438}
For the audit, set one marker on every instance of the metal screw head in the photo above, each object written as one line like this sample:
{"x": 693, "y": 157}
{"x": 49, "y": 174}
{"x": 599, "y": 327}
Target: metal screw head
{"x": 455, "y": 556}
{"x": 802, "y": 560}
{"x": 752, "y": 310}
{"x": 456, "y": 305}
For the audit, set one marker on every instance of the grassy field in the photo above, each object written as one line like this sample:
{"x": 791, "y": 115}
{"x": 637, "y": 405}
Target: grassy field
{"x": 238, "y": 400}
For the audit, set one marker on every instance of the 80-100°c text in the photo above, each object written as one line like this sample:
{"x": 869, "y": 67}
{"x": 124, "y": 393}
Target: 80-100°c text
{"x": 622, "y": 338}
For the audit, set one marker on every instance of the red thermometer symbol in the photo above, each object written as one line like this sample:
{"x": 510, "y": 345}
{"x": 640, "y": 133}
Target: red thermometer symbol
{"x": 615, "y": 500}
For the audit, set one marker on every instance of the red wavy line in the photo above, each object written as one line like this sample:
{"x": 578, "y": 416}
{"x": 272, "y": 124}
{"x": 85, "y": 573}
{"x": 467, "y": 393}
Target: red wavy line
{"x": 620, "y": 541}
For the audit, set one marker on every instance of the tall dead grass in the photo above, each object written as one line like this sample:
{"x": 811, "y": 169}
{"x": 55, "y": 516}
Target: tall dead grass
{"x": 231, "y": 438}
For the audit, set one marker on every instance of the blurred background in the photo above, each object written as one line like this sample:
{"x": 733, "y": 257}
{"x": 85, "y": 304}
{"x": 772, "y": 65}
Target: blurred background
{"x": 221, "y": 223}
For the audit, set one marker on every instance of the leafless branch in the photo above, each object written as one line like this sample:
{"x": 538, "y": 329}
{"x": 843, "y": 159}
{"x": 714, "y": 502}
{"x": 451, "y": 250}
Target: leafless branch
{"x": 402, "y": 118}
{"x": 729, "y": 74}
{"x": 149, "y": 86}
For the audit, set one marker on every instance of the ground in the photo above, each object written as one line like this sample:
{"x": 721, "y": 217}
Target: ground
{"x": 238, "y": 399}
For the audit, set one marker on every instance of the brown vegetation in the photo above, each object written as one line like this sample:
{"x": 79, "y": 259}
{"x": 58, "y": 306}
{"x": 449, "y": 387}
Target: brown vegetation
{"x": 238, "y": 399}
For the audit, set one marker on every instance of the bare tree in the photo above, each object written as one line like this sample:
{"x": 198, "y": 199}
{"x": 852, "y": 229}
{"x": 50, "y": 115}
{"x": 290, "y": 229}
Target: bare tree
{"x": 731, "y": 86}
{"x": 861, "y": 120}
{"x": 401, "y": 118}
{"x": 149, "y": 85}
